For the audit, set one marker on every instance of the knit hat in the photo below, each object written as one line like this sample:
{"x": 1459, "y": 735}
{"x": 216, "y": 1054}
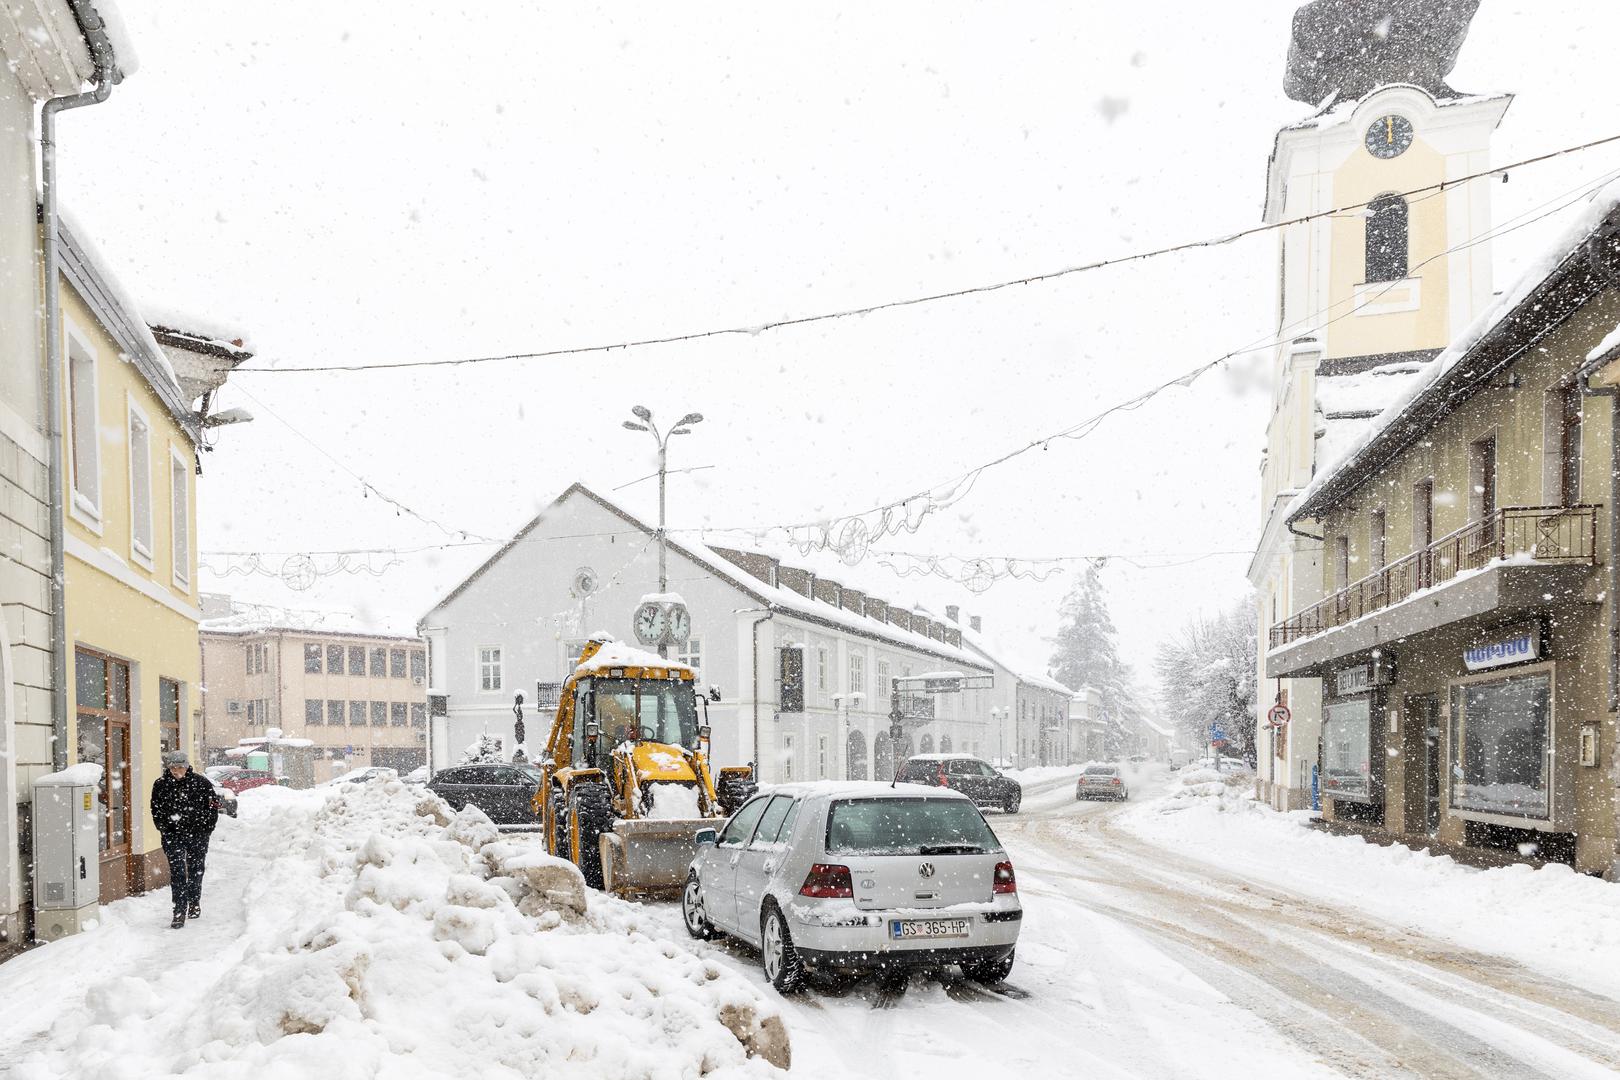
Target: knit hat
{"x": 175, "y": 757}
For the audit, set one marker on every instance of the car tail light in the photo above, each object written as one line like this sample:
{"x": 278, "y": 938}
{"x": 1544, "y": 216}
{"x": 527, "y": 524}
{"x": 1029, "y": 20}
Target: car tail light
{"x": 1115, "y": 781}
{"x": 1004, "y": 880}
{"x": 942, "y": 781}
{"x": 829, "y": 881}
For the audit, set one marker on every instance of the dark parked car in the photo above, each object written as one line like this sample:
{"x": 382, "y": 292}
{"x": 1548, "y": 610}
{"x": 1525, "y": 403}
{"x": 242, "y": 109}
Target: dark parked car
{"x": 976, "y": 779}
{"x": 502, "y": 791}
{"x": 225, "y": 797}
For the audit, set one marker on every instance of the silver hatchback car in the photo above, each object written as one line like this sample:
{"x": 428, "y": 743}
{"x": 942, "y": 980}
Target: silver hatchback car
{"x": 857, "y": 876}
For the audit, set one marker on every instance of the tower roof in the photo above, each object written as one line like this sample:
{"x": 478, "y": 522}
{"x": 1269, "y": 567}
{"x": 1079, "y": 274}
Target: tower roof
{"x": 1345, "y": 49}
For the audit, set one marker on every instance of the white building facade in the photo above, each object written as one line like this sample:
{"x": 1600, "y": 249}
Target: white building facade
{"x": 802, "y": 664}
{"x": 1029, "y": 711}
{"x": 1368, "y": 297}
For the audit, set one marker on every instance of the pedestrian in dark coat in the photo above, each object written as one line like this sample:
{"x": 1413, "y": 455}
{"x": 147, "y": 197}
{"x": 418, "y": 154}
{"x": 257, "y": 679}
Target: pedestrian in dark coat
{"x": 185, "y": 810}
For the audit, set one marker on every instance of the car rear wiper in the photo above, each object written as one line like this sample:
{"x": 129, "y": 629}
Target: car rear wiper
{"x": 951, "y": 849}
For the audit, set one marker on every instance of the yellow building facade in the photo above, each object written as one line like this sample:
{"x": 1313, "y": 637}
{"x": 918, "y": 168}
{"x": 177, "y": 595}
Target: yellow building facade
{"x": 130, "y": 450}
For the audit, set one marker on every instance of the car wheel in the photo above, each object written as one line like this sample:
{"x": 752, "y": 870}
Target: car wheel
{"x": 1014, "y": 802}
{"x": 780, "y": 959}
{"x": 590, "y": 814}
{"x": 990, "y": 972}
{"x": 692, "y": 913}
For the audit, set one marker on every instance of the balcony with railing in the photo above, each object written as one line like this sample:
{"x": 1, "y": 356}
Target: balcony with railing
{"x": 1528, "y": 534}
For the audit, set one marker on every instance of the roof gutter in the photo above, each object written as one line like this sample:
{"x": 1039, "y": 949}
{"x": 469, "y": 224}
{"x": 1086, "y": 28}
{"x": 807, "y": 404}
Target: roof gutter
{"x": 95, "y": 33}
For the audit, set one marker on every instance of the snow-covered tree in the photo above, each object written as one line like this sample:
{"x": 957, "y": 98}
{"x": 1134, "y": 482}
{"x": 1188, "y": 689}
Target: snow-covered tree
{"x": 1207, "y": 676}
{"x": 1086, "y": 653}
{"x": 486, "y": 748}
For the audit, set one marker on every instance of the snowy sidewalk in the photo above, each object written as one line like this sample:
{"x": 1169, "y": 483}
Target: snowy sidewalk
{"x": 361, "y": 931}
{"x": 1550, "y": 919}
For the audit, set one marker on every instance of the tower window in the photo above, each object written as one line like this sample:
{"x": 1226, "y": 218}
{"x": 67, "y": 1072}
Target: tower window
{"x": 1387, "y": 238}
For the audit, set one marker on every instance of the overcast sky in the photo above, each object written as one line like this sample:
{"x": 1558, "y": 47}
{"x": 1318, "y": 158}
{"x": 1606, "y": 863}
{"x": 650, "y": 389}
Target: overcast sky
{"x": 377, "y": 182}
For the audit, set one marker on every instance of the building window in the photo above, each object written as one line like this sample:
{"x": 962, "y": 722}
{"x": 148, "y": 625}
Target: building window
{"x": 357, "y": 714}
{"x": 419, "y": 665}
{"x": 379, "y": 714}
{"x": 1482, "y": 479}
{"x": 821, "y": 668}
{"x": 691, "y": 654}
{"x": 334, "y": 713}
{"x": 83, "y": 417}
{"x": 1341, "y": 561}
{"x": 1347, "y": 749}
{"x": 883, "y": 687}
{"x": 379, "y": 663}
{"x": 396, "y": 663}
{"x": 857, "y": 674}
{"x": 1387, "y": 243}
{"x": 1569, "y": 446}
{"x": 180, "y": 518}
{"x": 396, "y": 713}
{"x": 490, "y": 676}
{"x": 314, "y": 710}
{"x": 1375, "y": 547}
{"x": 168, "y": 715}
{"x": 790, "y": 687}
{"x": 334, "y": 659}
{"x": 418, "y": 714}
{"x": 787, "y": 759}
{"x": 252, "y": 712}
{"x": 140, "y": 488}
{"x": 357, "y": 660}
{"x": 1500, "y": 734}
{"x": 312, "y": 659}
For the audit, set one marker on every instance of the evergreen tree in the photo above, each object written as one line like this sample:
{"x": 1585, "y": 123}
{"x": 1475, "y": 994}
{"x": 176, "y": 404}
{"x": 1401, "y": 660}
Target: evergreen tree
{"x": 486, "y": 749}
{"x": 1086, "y": 653}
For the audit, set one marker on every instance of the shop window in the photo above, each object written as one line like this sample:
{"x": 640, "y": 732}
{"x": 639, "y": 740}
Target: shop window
{"x": 1347, "y": 749}
{"x": 1500, "y": 733}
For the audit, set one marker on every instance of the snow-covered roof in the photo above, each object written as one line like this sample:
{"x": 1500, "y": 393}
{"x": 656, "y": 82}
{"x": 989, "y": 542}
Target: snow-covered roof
{"x": 772, "y": 597}
{"x": 1431, "y": 392}
{"x": 1608, "y": 345}
{"x": 247, "y": 619}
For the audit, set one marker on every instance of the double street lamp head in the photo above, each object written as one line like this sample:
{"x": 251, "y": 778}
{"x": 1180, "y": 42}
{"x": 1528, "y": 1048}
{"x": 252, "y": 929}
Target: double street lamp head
{"x": 683, "y": 426}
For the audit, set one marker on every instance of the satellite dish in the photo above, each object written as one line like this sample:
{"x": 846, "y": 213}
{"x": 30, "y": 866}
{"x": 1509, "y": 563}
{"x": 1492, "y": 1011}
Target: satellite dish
{"x": 585, "y": 581}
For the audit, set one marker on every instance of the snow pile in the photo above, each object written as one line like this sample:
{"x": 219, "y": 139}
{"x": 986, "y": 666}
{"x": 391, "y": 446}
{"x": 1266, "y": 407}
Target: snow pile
{"x": 1518, "y": 912}
{"x": 673, "y": 801}
{"x": 389, "y": 937}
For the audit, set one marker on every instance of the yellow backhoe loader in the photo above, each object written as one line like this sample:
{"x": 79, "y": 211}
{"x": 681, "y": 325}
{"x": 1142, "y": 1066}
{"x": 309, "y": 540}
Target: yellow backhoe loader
{"x": 627, "y": 782}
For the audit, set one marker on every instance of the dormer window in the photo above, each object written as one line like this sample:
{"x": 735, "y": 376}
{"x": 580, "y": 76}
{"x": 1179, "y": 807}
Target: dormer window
{"x": 1387, "y": 240}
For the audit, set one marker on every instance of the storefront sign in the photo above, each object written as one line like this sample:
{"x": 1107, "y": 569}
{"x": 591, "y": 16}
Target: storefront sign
{"x": 1516, "y": 647}
{"x": 1363, "y": 677}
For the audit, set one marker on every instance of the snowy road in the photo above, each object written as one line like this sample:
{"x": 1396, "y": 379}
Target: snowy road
{"x": 1138, "y": 961}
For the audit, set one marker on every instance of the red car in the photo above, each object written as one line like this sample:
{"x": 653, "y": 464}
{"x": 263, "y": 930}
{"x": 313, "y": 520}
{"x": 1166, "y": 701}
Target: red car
{"x": 246, "y": 779}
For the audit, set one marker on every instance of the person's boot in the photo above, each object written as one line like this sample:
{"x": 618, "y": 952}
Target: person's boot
{"x": 195, "y": 910}
{"x": 179, "y": 921}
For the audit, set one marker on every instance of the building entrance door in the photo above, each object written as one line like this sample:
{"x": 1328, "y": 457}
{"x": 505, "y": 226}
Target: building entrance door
{"x": 101, "y": 686}
{"x": 1432, "y": 802}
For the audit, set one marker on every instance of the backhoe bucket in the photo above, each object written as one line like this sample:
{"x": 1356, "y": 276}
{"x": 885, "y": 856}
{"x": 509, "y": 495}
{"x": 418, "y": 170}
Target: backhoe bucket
{"x": 650, "y": 856}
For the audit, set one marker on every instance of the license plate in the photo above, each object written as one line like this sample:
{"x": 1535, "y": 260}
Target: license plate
{"x": 906, "y": 929}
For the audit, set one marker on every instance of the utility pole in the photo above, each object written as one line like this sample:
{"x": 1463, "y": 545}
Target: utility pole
{"x": 683, "y": 426}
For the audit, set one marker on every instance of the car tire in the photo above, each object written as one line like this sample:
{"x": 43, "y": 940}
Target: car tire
{"x": 990, "y": 972}
{"x": 783, "y": 968}
{"x": 590, "y": 814}
{"x": 1014, "y": 801}
{"x": 693, "y": 916}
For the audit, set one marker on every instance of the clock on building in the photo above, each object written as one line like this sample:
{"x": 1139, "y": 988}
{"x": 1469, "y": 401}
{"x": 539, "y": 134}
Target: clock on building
{"x": 1389, "y": 136}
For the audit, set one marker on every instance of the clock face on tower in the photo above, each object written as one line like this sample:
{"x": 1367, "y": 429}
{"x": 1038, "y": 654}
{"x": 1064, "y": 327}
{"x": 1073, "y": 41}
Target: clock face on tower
{"x": 1389, "y": 136}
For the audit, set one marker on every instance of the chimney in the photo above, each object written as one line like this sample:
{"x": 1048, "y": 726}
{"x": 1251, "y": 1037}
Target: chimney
{"x": 952, "y": 611}
{"x": 973, "y": 622}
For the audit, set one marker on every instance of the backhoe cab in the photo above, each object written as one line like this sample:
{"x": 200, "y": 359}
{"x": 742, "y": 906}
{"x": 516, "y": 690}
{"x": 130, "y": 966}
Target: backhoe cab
{"x": 627, "y": 780}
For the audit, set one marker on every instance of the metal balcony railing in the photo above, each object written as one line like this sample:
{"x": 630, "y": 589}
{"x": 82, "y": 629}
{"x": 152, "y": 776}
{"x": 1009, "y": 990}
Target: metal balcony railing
{"x": 1550, "y": 534}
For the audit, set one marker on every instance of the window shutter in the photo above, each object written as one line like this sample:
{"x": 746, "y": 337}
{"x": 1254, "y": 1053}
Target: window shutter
{"x": 790, "y": 697}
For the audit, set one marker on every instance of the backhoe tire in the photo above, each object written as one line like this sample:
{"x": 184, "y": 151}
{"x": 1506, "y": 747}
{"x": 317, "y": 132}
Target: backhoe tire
{"x": 590, "y": 814}
{"x": 733, "y": 791}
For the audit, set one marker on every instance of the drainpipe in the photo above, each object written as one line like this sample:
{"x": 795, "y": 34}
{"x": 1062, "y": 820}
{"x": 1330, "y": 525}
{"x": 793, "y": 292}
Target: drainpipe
{"x": 1614, "y": 523}
{"x": 754, "y": 680}
{"x": 95, "y": 33}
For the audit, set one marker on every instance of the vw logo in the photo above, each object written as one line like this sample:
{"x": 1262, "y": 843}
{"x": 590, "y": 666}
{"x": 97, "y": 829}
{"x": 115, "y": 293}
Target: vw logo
{"x": 926, "y": 869}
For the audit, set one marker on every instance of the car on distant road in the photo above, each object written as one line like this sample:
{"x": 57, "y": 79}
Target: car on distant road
{"x": 247, "y": 779}
{"x": 976, "y": 779}
{"x": 1101, "y": 782}
{"x": 503, "y": 791}
{"x": 857, "y": 876}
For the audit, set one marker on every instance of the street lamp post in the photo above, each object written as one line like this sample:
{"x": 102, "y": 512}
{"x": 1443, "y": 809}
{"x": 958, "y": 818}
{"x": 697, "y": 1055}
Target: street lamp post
{"x": 842, "y": 701}
{"x": 683, "y": 426}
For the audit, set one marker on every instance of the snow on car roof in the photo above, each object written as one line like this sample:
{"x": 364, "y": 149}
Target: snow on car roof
{"x": 942, "y": 757}
{"x": 863, "y": 789}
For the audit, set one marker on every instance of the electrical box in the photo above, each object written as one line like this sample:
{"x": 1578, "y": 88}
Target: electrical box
{"x": 1589, "y": 745}
{"x": 67, "y": 852}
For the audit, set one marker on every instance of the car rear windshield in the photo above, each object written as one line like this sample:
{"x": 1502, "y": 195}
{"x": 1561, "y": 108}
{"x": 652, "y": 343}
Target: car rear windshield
{"x": 913, "y": 772}
{"x": 900, "y": 826}
{"x": 1100, "y": 770}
